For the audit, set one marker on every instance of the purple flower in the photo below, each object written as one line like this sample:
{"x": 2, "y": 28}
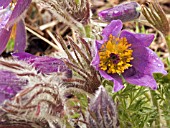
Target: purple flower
{"x": 44, "y": 64}
{"x": 10, "y": 84}
{"x": 125, "y": 12}
{"x": 123, "y": 53}
{"x": 11, "y": 21}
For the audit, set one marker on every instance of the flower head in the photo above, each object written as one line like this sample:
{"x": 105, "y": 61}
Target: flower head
{"x": 125, "y": 12}
{"x": 123, "y": 53}
{"x": 11, "y": 23}
{"x": 21, "y": 72}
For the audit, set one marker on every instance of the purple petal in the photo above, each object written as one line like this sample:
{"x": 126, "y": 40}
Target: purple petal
{"x": 113, "y": 28}
{"x": 20, "y": 7}
{"x": 96, "y": 60}
{"x": 23, "y": 56}
{"x": 147, "y": 62}
{"x": 10, "y": 84}
{"x": 44, "y": 64}
{"x": 20, "y": 39}
{"x": 9, "y": 78}
{"x": 137, "y": 40}
{"x": 98, "y": 44}
{"x": 2, "y": 97}
{"x": 133, "y": 76}
{"x": 4, "y": 37}
{"x": 4, "y": 3}
{"x": 105, "y": 75}
{"x": 4, "y": 17}
{"x": 48, "y": 64}
{"x": 118, "y": 84}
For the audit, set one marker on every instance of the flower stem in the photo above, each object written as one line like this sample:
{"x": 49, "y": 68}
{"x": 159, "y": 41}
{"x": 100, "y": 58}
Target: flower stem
{"x": 155, "y": 104}
{"x": 167, "y": 38}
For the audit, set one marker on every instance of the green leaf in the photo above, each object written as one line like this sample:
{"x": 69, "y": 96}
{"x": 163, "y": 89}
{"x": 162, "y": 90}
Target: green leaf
{"x": 10, "y": 45}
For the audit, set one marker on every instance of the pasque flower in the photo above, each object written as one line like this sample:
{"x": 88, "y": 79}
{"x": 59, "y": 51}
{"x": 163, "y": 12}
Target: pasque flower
{"x": 11, "y": 23}
{"x": 12, "y": 73}
{"x": 126, "y": 54}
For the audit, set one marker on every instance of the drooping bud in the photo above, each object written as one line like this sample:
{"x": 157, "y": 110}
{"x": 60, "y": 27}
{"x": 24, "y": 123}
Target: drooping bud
{"x": 125, "y": 12}
{"x": 103, "y": 113}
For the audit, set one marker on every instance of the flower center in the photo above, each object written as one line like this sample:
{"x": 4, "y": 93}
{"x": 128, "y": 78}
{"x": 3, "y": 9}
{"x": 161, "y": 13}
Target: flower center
{"x": 115, "y": 55}
{"x": 114, "y": 58}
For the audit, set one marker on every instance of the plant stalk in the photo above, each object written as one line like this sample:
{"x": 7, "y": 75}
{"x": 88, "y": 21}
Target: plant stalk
{"x": 155, "y": 104}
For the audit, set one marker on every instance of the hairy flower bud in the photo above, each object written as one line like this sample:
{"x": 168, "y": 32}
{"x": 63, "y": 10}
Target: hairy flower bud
{"x": 103, "y": 113}
{"x": 30, "y": 94}
{"x": 125, "y": 12}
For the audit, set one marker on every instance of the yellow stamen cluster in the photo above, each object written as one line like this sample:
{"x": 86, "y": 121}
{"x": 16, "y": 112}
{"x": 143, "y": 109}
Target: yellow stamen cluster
{"x": 115, "y": 55}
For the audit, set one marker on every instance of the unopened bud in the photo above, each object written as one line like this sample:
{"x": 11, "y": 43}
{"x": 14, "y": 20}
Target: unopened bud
{"x": 103, "y": 113}
{"x": 125, "y": 12}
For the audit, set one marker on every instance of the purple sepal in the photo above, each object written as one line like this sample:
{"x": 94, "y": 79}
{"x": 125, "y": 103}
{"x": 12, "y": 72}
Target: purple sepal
{"x": 116, "y": 79}
{"x": 20, "y": 39}
{"x": 4, "y": 37}
{"x": 10, "y": 84}
{"x": 138, "y": 39}
{"x": 23, "y": 56}
{"x": 44, "y": 64}
{"x": 4, "y": 16}
{"x": 9, "y": 18}
{"x": 113, "y": 28}
{"x": 20, "y": 7}
{"x": 147, "y": 61}
{"x": 4, "y": 3}
{"x": 4, "y": 34}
